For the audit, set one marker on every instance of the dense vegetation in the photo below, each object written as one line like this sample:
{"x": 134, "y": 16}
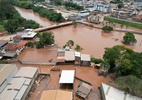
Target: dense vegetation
{"x": 131, "y": 84}
{"x": 124, "y": 22}
{"x": 74, "y": 6}
{"x": 47, "y": 38}
{"x": 129, "y": 38}
{"x": 69, "y": 5}
{"x": 11, "y": 20}
{"x": 49, "y": 14}
{"x": 126, "y": 64}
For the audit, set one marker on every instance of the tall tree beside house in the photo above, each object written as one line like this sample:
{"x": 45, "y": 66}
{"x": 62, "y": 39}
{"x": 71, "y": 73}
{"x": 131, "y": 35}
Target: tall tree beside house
{"x": 129, "y": 38}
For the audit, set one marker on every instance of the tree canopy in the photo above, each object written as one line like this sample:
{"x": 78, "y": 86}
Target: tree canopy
{"x": 129, "y": 38}
{"x": 107, "y": 28}
{"x": 47, "y": 38}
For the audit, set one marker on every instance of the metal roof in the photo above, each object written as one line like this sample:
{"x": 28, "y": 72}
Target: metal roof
{"x": 8, "y": 94}
{"x": 27, "y": 72}
{"x": 112, "y": 93}
{"x": 67, "y": 76}
{"x": 5, "y": 71}
{"x": 56, "y": 95}
{"x": 85, "y": 57}
{"x": 16, "y": 83}
{"x": 69, "y": 56}
{"x": 9, "y": 54}
{"x": 2, "y": 44}
{"x": 21, "y": 92}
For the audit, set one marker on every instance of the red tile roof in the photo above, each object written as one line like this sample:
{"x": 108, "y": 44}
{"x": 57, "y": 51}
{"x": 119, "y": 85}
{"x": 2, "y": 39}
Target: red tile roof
{"x": 21, "y": 44}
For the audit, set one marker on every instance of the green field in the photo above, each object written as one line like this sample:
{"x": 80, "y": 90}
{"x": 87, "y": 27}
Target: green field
{"x": 124, "y": 22}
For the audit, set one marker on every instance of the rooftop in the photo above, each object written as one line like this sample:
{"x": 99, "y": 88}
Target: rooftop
{"x": 67, "y": 76}
{"x": 56, "y": 95}
{"x": 111, "y": 93}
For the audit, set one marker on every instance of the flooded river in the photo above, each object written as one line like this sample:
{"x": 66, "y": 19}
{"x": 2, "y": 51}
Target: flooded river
{"x": 92, "y": 40}
{"x": 29, "y": 14}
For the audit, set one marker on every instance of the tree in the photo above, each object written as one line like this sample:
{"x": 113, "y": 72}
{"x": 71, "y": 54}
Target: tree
{"x": 123, "y": 67}
{"x": 78, "y": 48}
{"x": 11, "y": 25}
{"x": 131, "y": 84}
{"x": 30, "y": 44}
{"x": 47, "y": 38}
{"x": 107, "y": 28}
{"x": 129, "y": 38}
{"x": 70, "y": 43}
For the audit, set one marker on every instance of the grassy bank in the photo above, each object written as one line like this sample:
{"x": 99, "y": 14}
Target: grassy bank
{"x": 124, "y": 22}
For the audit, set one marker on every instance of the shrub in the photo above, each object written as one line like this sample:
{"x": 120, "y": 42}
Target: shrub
{"x": 107, "y": 28}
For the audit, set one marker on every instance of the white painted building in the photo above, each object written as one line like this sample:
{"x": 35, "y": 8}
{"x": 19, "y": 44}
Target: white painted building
{"x": 102, "y": 7}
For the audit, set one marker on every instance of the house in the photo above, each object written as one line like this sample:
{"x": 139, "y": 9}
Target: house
{"x": 103, "y": 7}
{"x": 67, "y": 78}
{"x": 3, "y": 43}
{"x": 27, "y": 34}
{"x": 83, "y": 14}
{"x": 17, "y": 39}
{"x": 11, "y": 47}
{"x": 20, "y": 46}
{"x": 83, "y": 90}
{"x": 71, "y": 56}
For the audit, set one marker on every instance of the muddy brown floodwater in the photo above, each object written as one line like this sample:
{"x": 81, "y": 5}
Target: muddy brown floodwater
{"x": 92, "y": 40}
{"x": 30, "y": 15}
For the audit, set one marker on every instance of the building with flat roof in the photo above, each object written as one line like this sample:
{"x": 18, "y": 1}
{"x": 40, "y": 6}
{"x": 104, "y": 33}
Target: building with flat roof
{"x": 7, "y": 71}
{"x": 67, "y": 77}
{"x": 111, "y": 93}
{"x": 72, "y": 56}
{"x": 20, "y": 84}
{"x": 83, "y": 90}
{"x": 56, "y": 95}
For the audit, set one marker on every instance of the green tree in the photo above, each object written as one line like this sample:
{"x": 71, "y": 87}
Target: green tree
{"x": 129, "y": 38}
{"x": 107, "y": 28}
{"x": 11, "y": 25}
{"x": 123, "y": 67}
{"x": 131, "y": 84}
{"x": 78, "y": 48}
{"x": 30, "y": 44}
{"x": 70, "y": 43}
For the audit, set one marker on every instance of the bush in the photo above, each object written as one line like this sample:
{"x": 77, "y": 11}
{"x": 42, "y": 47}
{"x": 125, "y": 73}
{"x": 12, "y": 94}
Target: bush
{"x": 129, "y": 38}
{"x": 107, "y": 28}
{"x": 30, "y": 44}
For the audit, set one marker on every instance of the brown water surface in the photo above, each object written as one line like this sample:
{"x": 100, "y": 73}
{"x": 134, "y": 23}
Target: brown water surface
{"x": 30, "y": 15}
{"x": 92, "y": 40}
